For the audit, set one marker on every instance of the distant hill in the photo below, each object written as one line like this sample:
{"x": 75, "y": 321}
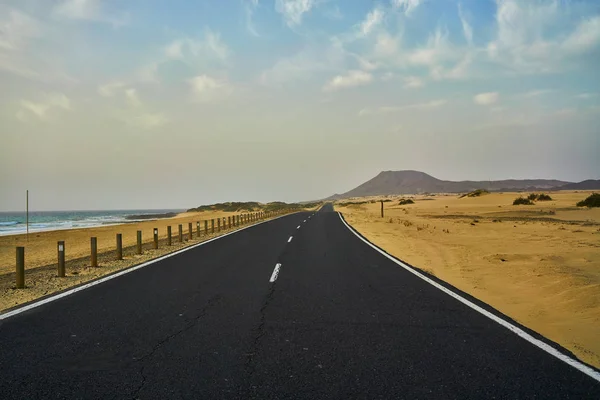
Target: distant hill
{"x": 589, "y": 184}
{"x": 414, "y": 182}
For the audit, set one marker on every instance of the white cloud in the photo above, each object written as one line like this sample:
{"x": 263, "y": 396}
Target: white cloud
{"x": 148, "y": 73}
{"x": 350, "y": 79}
{"x": 485, "y": 99}
{"x": 250, "y": 7}
{"x": 145, "y": 120}
{"x": 408, "y": 6}
{"x": 133, "y": 98}
{"x": 88, "y": 10}
{"x": 585, "y": 37}
{"x": 293, "y": 10}
{"x": 372, "y": 20}
{"x": 413, "y": 82}
{"x": 393, "y": 109}
{"x": 586, "y": 96}
{"x": 304, "y": 64}
{"x": 206, "y": 89}
{"x": 109, "y": 89}
{"x": 467, "y": 29}
{"x": 537, "y": 93}
{"x": 41, "y": 109}
{"x": 208, "y": 47}
{"x": 437, "y": 50}
{"x": 16, "y": 28}
{"x": 534, "y": 36}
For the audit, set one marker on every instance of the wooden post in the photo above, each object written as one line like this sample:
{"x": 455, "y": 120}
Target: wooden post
{"x": 190, "y": 231}
{"x": 61, "y": 259}
{"x": 212, "y": 226}
{"x": 381, "y": 208}
{"x": 20, "y": 267}
{"x": 180, "y": 233}
{"x": 139, "y": 242}
{"x": 27, "y": 213}
{"x": 94, "y": 255}
{"x": 218, "y": 224}
{"x": 169, "y": 235}
{"x": 198, "y": 229}
{"x": 155, "y": 238}
{"x": 206, "y": 227}
{"x": 119, "y": 246}
{"x": 229, "y": 221}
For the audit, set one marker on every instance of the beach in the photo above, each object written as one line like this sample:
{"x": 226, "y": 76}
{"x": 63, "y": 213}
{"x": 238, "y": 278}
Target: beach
{"x": 539, "y": 264}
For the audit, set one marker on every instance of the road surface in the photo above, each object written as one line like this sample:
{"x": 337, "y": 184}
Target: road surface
{"x": 295, "y": 308}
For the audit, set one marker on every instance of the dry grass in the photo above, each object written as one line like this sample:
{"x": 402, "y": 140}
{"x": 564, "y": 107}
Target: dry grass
{"x": 540, "y": 264}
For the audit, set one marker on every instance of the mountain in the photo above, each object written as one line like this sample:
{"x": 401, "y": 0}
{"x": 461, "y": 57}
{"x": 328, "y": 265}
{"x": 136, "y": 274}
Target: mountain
{"x": 413, "y": 182}
{"x": 590, "y": 184}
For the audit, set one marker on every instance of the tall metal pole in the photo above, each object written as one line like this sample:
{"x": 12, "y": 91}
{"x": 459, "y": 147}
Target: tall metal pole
{"x": 27, "y": 213}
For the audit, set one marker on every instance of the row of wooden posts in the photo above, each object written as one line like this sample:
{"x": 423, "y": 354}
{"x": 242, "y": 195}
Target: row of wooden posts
{"x": 230, "y": 221}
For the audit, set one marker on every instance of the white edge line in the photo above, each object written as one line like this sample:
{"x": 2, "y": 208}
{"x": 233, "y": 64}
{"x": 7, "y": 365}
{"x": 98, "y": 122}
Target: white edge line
{"x": 290, "y": 239}
{"x": 113, "y": 276}
{"x": 520, "y": 332}
{"x": 275, "y": 273}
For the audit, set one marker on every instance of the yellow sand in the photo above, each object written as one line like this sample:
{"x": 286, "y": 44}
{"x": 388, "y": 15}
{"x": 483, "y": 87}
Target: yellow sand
{"x": 41, "y": 248}
{"x": 538, "y": 264}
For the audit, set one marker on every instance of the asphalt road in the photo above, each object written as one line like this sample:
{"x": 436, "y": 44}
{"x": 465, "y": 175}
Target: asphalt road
{"x": 340, "y": 321}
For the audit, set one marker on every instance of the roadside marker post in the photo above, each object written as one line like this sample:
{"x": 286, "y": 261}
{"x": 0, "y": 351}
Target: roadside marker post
{"x": 180, "y": 233}
{"x": 61, "y": 259}
{"x": 94, "y": 255}
{"x": 139, "y": 242}
{"x": 20, "y": 268}
{"x": 169, "y": 235}
{"x": 218, "y": 224}
{"x": 205, "y": 227}
{"x": 119, "y": 246}
{"x": 190, "y": 231}
{"x": 381, "y": 208}
{"x": 197, "y": 229}
{"x": 155, "y": 238}
{"x": 212, "y": 225}
{"x": 229, "y": 221}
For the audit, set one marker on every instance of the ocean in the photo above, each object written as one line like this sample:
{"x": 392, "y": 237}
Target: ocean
{"x": 14, "y": 223}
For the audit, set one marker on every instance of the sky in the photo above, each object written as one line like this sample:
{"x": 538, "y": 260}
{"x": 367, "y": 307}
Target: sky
{"x": 129, "y": 104}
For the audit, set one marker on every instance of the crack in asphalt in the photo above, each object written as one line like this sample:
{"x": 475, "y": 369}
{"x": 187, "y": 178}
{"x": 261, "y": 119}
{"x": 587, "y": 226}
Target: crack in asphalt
{"x": 158, "y": 345}
{"x": 259, "y": 333}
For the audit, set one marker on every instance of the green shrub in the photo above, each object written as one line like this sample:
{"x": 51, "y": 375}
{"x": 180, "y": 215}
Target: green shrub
{"x": 522, "y": 201}
{"x": 404, "y": 202}
{"x": 532, "y": 197}
{"x": 593, "y": 200}
{"x": 543, "y": 197}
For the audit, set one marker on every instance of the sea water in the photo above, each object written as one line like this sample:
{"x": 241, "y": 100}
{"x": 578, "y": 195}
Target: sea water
{"x": 12, "y": 223}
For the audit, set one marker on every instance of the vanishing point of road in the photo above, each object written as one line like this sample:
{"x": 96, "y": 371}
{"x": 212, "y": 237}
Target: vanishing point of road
{"x": 299, "y": 307}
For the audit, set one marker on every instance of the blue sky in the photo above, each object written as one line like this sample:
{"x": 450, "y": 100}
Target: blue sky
{"x": 315, "y": 95}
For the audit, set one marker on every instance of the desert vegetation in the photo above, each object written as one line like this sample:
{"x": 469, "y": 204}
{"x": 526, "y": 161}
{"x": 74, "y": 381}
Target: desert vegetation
{"x": 592, "y": 200}
{"x": 522, "y": 201}
{"x": 252, "y": 206}
{"x": 404, "y": 202}
{"x": 475, "y": 193}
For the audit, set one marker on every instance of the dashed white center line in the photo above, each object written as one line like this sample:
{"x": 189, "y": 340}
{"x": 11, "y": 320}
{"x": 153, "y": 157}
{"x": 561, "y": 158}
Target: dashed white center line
{"x": 290, "y": 239}
{"x": 304, "y": 220}
{"x": 298, "y": 227}
{"x": 275, "y": 273}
